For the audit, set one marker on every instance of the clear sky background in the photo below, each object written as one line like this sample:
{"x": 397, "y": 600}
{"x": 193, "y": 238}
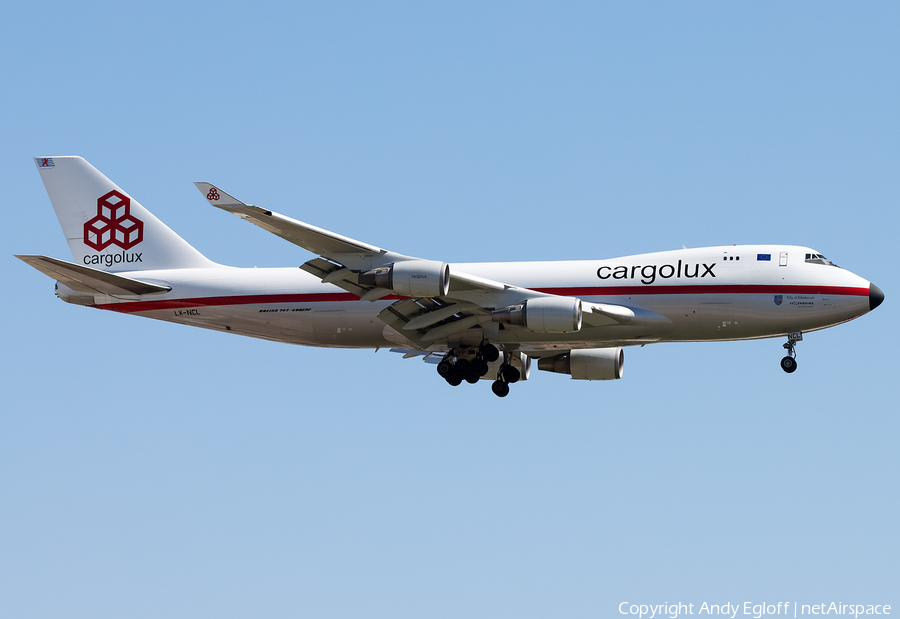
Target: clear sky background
{"x": 154, "y": 470}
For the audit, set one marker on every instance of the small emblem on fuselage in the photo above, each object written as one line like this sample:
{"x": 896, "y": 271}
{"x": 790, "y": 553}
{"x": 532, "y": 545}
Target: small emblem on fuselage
{"x": 779, "y": 299}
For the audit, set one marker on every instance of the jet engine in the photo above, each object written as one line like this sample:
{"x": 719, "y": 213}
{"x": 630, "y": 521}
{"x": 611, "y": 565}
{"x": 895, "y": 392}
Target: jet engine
{"x": 592, "y": 364}
{"x": 413, "y": 278}
{"x": 544, "y": 315}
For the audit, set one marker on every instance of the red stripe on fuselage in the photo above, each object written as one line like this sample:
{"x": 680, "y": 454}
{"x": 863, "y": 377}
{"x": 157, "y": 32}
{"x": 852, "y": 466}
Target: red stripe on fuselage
{"x": 625, "y": 291}
{"x": 619, "y": 291}
{"x": 253, "y": 299}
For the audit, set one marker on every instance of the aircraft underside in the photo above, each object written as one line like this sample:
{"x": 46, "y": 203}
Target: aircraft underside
{"x": 495, "y": 353}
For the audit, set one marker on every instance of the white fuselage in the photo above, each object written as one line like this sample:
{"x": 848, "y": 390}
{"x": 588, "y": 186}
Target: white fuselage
{"x": 718, "y": 293}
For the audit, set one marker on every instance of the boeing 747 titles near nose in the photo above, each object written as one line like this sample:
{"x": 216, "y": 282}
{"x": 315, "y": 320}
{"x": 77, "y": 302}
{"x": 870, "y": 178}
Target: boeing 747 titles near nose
{"x": 474, "y": 321}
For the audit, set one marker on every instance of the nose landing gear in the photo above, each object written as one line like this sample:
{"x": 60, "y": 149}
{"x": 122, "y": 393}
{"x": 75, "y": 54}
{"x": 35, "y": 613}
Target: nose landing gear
{"x": 789, "y": 363}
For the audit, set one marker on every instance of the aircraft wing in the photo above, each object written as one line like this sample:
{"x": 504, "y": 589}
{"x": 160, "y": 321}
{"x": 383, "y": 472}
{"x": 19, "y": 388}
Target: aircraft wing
{"x": 309, "y": 237}
{"x": 350, "y": 255}
{"x": 422, "y": 318}
{"x": 87, "y": 279}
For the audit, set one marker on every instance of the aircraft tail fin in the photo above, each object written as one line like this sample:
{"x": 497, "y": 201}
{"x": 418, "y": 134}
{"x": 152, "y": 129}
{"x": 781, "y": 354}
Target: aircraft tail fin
{"x": 105, "y": 227}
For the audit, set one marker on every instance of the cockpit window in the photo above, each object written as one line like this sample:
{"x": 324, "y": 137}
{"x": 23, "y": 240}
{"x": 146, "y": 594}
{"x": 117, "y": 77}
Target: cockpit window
{"x": 819, "y": 259}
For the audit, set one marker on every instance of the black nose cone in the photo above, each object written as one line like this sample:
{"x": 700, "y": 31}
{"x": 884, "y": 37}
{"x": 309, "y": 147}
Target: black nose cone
{"x": 875, "y": 296}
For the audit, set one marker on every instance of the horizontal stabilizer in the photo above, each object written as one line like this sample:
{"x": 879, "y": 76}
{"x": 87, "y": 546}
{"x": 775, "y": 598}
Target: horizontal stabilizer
{"x": 90, "y": 280}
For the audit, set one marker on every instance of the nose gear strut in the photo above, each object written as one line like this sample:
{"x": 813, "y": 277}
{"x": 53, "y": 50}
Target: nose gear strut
{"x": 789, "y": 363}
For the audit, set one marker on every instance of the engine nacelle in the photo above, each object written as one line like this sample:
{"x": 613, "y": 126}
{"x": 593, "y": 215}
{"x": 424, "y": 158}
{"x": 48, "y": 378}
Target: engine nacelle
{"x": 591, "y": 364}
{"x": 544, "y": 315}
{"x": 413, "y": 278}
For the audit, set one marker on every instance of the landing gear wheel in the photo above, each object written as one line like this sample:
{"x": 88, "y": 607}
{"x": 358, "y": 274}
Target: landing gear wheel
{"x": 479, "y": 367}
{"x": 500, "y": 389}
{"x": 510, "y": 374}
{"x": 472, "y": 378}
{"x": 788, "y": 364}
{"x": 490, "y": 353}
{"x": 454, "y": 379}
{"x": 444, "y": 368}
{"x": 462, "y": 367}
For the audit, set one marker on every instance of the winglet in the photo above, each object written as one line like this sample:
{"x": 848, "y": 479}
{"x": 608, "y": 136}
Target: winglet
{"x": 217, "y": 197}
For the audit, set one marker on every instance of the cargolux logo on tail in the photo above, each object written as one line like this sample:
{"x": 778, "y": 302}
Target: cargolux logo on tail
{"x": 114, "y": 224}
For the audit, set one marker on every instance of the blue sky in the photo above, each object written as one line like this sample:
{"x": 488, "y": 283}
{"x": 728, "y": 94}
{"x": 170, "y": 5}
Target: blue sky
{"x": 148, "y": 469}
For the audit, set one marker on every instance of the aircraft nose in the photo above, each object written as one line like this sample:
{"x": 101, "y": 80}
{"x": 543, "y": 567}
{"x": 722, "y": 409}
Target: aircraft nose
{"x": 875, "y": 296}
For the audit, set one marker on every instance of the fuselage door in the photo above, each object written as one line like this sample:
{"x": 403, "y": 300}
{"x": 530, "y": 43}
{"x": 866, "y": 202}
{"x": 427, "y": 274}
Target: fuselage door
{"x": 782, "y": 260}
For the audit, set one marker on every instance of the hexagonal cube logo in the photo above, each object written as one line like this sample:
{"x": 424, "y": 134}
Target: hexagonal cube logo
{"x": 98, "y": 233}
{"x": 114, "y": 224}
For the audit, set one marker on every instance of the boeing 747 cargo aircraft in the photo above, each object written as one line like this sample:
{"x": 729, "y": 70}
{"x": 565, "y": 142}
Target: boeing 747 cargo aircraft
{"x": 474, "y": 320}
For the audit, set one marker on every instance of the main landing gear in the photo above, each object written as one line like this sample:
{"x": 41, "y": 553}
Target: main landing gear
{"x": 456, "y": 367}
{"x": 789, "y": 363}
{"x": 507, "y": 374}
{"x": 472, "y": 364}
